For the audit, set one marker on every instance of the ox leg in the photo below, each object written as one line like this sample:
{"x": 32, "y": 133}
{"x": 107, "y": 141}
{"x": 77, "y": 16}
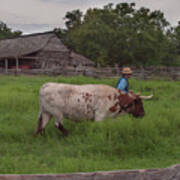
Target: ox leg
{"x": 99, "y": 116}
{"x": 42, "y": 122}
{"x": 59, "y": 125}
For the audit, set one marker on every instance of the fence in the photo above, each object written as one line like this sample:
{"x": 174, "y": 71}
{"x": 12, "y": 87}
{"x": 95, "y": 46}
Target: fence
{"x": 171, "y": 173}
{"x": 141, "y": 73}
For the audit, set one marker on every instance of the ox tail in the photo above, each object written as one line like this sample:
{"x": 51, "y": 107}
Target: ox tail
{"x": 39, "y": 124}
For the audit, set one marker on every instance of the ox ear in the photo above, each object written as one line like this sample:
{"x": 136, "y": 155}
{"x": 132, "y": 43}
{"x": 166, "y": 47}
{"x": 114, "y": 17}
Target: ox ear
{"x": 125, "y": 100}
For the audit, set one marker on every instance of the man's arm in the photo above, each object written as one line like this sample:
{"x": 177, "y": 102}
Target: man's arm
{"x": 122, "y": 85}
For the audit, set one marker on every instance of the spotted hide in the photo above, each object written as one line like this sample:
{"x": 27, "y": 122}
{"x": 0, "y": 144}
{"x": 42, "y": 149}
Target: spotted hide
{"x": 83, "y": 102}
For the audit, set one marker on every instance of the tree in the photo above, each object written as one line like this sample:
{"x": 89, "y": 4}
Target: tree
{"x": 121, "y": 35}
{"x": 6, "y": 32}
{"x": 73, "y": 19}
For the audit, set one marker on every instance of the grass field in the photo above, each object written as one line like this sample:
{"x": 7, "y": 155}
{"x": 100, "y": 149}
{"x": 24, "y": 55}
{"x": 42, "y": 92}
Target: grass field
{"x": 123, "y": 143}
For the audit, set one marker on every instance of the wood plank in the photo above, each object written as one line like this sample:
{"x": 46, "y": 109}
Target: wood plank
{"x": 6, "y": 65}
{"x": 29, "y": 57}
{"x": 17, "y": 63}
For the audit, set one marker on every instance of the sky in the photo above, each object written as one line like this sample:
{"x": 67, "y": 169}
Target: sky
{"x": 33, "y": 16}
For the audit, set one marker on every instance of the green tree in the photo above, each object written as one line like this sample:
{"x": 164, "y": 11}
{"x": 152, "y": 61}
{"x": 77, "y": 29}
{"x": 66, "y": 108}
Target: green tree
{"x": 73, "y": 19}
{"x": 173, "y": 35}
{"x": 121, "y": 35}
{"x": 6, "y": 32}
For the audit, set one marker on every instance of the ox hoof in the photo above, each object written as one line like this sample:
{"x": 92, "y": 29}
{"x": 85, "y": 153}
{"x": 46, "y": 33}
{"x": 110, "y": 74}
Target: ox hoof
{"x": 65, "y": 134}
{"x": 41, "y": 132}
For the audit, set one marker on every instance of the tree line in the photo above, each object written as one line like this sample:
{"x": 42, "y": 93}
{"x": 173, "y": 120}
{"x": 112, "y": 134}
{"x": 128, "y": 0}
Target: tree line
{"x": 124, "y": 35}
{"x": 121, "y": 35}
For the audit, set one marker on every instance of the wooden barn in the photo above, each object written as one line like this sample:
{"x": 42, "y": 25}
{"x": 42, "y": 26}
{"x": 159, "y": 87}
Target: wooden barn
{"x": 39, "y": 51}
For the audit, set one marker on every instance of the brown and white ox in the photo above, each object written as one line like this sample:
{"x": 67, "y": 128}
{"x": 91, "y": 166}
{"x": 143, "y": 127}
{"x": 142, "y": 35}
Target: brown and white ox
{"x": 84, "y": 102}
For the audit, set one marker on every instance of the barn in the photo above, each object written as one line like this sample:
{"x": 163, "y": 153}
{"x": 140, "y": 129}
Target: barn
{"x": 39, "y": 51}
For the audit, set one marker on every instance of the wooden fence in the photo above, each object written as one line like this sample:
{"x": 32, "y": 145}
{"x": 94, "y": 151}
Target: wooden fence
{"x": 140, "y": 73}
{"x": 171, "y": 173}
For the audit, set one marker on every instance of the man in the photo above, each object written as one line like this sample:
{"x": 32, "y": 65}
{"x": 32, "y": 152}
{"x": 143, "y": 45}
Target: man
{"x": 123, "y": 84}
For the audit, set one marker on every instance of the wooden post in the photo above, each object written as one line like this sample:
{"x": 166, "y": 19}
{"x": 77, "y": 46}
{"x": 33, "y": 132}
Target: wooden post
{"x": 6, "y": 65}
{"x": 17, "y": 64}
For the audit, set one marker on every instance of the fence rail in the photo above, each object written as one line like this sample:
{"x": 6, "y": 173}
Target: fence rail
{"x": 171, "y": 173}
{"x": 141, "y": 73}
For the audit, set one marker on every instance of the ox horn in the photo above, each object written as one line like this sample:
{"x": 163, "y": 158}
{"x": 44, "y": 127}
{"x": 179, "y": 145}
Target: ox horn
{"x": 147, "y": 97}
{"x": 138, "y": 93}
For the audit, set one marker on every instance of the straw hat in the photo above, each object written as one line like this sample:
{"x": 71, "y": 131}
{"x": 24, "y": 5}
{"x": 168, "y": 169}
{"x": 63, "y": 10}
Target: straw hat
{"x": 126, "y": 70}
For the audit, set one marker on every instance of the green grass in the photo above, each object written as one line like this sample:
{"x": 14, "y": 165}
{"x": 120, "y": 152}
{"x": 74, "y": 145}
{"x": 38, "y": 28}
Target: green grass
{"x": 123, "y": 143}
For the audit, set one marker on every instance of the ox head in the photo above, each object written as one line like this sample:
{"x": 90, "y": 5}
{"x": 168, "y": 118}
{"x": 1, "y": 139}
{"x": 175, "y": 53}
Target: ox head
{"x": 131, "y": 104}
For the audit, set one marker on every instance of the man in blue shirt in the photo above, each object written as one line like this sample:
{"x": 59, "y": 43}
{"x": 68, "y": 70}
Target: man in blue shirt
{"x": 123, "y": 84}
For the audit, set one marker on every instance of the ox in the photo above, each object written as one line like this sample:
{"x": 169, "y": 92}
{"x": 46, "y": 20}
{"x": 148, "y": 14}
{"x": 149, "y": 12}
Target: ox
{"x": 83, "y": 102}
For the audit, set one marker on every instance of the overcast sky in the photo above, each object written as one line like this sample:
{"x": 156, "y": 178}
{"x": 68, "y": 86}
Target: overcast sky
{"x": 32, "y": 16}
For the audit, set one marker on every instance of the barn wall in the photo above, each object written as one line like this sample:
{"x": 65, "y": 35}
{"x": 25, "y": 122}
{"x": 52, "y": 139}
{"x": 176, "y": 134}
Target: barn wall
{"x": 32, "y": 60}
{"x": 21, "y": 62}
{"x": 49, "y": 59}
